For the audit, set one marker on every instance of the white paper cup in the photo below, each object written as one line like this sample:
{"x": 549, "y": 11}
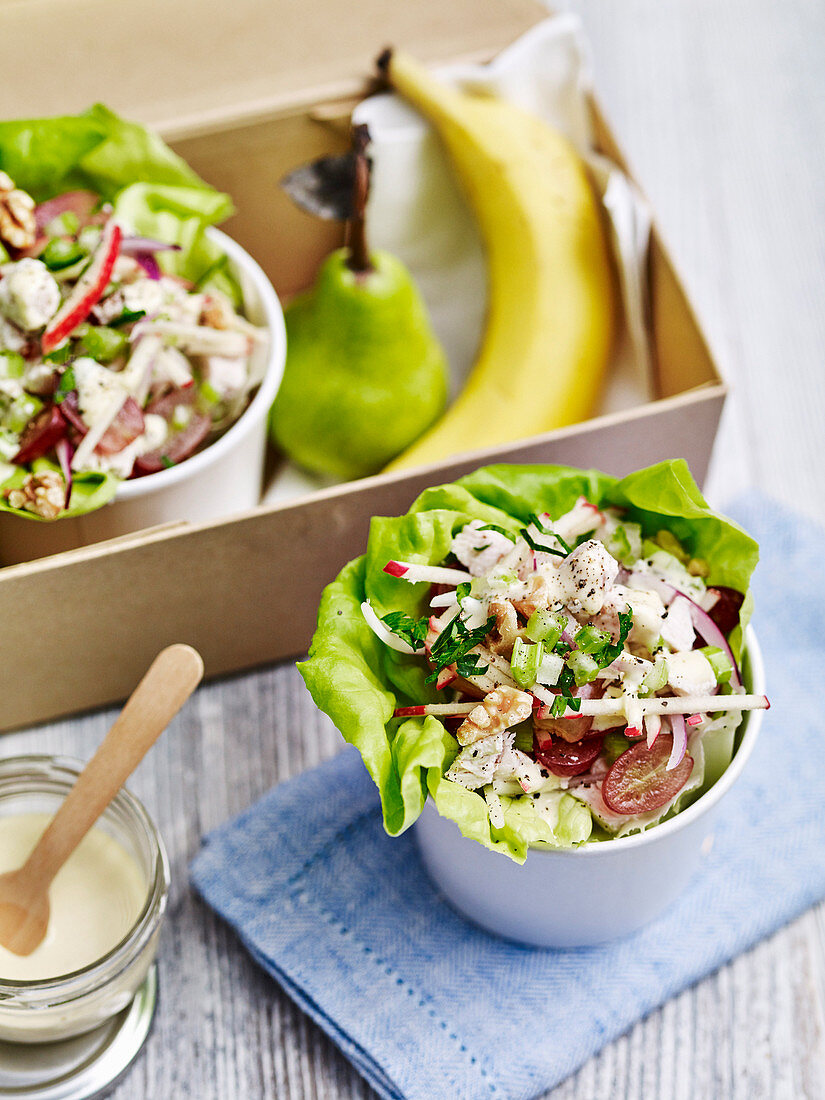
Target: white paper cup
{"x": 583, "y": 896}
{"x": 221, "y": 480}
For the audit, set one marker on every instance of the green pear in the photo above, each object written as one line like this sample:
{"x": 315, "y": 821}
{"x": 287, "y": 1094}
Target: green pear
{"x": 365, "y": 375}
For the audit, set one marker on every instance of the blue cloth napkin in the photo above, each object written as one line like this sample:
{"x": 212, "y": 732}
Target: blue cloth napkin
{"x": 426, "y": 1005}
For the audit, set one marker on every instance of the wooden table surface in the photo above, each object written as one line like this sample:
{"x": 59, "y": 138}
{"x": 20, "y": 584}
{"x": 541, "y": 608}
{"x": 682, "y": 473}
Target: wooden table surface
{"x": 720, "y": 106}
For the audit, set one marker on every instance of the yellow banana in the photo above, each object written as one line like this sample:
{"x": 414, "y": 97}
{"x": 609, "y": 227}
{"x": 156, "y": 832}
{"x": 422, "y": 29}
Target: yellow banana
{"x": 551, "y": 299}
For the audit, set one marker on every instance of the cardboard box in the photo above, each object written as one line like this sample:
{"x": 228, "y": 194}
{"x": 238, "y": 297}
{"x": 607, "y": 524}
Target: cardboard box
{"x": 81, "y": 627}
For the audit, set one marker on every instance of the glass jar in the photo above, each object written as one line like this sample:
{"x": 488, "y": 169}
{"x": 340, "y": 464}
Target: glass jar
{"x": 59, "y": 1008}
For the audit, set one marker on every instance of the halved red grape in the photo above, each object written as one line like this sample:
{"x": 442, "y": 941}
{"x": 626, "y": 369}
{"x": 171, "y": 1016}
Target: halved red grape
{"x": 725, "y": 612}
{"x": 40, "y": 435}
{"x": 124, "y": 429}
{"x": 638, "y": 781}
{"x": 178, "y": 444}
{"x": 568, "y": 758}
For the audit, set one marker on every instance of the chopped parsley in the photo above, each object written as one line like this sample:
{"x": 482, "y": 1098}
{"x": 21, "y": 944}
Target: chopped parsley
{"x": 453, "y": 645}
{"x": 500, "y": 530}
{"x": 413, "y": 631}
{"x": 127, "y": 317}
{"x": 536, "y": 521}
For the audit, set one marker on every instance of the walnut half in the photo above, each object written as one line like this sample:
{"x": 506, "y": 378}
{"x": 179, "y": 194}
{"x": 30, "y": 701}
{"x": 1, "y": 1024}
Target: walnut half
{"x": 18, "y": 228}
{"x": 43, "y": 494}
{"x": 499, "y": 709}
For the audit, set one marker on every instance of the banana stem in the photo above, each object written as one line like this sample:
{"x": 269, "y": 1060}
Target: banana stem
{"x": 359, "y": 255}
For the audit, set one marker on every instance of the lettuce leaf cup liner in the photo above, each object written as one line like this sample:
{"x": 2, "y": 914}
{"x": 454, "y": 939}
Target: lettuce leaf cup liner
{"x": 359, "y": 681}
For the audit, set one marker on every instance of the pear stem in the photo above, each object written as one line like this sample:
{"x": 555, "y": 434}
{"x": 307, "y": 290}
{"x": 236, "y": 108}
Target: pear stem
{"x": 359, "y": 255}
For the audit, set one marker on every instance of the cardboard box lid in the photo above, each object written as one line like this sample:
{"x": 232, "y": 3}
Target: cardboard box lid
{"x": 189, "y": 66}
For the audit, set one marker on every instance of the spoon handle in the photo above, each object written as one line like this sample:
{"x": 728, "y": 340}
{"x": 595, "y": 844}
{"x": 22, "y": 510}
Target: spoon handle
{"x": 170, "y": 680}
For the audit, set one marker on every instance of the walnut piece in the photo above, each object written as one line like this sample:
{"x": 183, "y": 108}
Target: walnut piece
{"x": 506, "y": 626}
{"x": 17, "y": 223}
{"x": 44, "y": 494}
{"x": 498, "y": 710}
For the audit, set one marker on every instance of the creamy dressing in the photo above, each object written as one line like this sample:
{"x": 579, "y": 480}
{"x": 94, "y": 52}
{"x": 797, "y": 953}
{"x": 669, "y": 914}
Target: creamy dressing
{"x": 95, "y": 899}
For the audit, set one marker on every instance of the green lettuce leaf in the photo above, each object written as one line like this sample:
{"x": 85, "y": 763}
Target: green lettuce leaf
{"x": 359, "y": 681}
{"x": 150, "y": 187}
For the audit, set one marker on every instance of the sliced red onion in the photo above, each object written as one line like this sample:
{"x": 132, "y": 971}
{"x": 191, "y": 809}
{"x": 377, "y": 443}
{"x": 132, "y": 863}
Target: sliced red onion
{"x": 133, "y": 246}
{"x": 70, "y": 409}
{"x": 679, "y": 730}
{"x": 149, "y": 264}
{"x": 65, "y": 451}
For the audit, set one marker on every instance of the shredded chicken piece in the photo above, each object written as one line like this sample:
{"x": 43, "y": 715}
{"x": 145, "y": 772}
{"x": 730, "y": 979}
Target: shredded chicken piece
{"x": 499, "y": 709}
{"x": 217, "y": 312}
{"x": 43, "y": 494}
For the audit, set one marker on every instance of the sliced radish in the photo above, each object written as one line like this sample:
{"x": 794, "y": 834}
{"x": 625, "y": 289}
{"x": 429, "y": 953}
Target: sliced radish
{"x": 436, "y": 709}
{"x": 431, "y": 574}
{"x": 88, "y": 290}
{"x": 446, "y": 676}
{"x": 40, "y": 435}
{"x": 565, "y": 758}
{"x": 640, "y": 782}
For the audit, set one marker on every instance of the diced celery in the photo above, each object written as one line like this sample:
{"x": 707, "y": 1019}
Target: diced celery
{"x": 718, "y": 661}
{"x": 584, "y": 667}
{"x": 590, "y": 639}
{"x": 525, "y": 662}
{"x": 65, "y": 224}
{"x": 60, "y": 253}
{"x": 524, "y": 737}
{"x": 21, "y": 411}
{"x": 12, "y": 364}
{"x": 546, "y": 626}
{"x": 655, "y": 678}
{"x": 210, "y": 394}
{"x": 100, "y": 342}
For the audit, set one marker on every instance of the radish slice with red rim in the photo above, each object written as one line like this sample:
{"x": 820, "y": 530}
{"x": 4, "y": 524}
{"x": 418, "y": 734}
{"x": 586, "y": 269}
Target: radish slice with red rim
{"x": 639, "y": 781}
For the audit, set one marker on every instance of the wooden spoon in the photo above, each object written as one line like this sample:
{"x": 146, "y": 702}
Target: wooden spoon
{"x": 24, "y": 894}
